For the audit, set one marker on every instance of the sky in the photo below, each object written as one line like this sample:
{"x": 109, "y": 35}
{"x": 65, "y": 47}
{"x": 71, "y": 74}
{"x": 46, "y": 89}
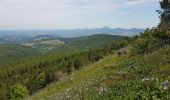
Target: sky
{"x": 69, "y": 14}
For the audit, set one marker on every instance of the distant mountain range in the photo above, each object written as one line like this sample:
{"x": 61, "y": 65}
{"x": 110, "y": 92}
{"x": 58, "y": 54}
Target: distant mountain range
{"x": 104, "y": 30}
{"x": 22, "y": 36}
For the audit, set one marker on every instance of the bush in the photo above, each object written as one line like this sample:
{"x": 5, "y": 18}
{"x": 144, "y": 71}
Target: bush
{"x": 40, "y": 81}
{"x": 18, "y": 92}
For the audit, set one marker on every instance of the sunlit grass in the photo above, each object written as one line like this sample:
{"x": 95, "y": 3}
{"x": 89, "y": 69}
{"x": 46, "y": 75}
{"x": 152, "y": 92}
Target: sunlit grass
{"x": 115, "y": 78}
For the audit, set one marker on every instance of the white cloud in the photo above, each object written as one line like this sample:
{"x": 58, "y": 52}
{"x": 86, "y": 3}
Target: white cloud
{"x": 66, "y": 6}
{"x": 36, "y": 13}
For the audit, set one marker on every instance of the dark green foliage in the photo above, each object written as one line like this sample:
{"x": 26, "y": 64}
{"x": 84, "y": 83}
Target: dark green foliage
{"x": 93, "y": 41}
{"x": 150, "y": 40}
{"x": 165, "y": 12}
{"x": 163, "y": 30}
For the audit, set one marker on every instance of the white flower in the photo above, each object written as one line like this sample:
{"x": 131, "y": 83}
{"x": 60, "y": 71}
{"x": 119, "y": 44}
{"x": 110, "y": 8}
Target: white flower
{"x": 148, "y": 79}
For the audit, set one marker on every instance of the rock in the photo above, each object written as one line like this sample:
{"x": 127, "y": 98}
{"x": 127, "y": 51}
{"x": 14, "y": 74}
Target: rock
{"x": 121, "y": 52}
{"x": 165, "y": 85}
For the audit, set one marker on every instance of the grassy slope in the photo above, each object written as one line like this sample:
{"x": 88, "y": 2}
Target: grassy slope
{"x": 76, "y": 78}
{"x": 114, "y": 78}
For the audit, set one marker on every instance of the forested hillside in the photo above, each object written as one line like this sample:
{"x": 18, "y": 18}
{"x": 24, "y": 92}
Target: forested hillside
{"x": 45, "y": 44}
{"x": 30, "y": 75}
{"x": 88, "y": 42}
{"x": 10, "y": 53}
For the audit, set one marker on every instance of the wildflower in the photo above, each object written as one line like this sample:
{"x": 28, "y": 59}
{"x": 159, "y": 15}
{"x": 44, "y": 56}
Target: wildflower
{"x": 148, "y": 79}
{"x": 121, "y": 73}
{"x": 77, "y": 94}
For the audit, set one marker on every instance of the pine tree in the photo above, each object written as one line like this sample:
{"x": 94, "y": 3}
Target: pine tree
{"x": 164, "y": 26}
{"x": 165, "y": 10}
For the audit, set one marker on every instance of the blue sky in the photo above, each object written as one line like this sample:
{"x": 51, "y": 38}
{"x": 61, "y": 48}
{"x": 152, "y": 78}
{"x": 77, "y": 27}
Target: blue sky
{"x": 68, "y": 14}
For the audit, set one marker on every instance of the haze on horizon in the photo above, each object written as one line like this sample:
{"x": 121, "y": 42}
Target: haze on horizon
{"x": 68, "y": 14}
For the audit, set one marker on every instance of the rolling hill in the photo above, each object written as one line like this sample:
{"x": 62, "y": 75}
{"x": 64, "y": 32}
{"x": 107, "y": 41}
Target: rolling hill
{"x": 45, "y": 44}
{"x": 87, "y": 42}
